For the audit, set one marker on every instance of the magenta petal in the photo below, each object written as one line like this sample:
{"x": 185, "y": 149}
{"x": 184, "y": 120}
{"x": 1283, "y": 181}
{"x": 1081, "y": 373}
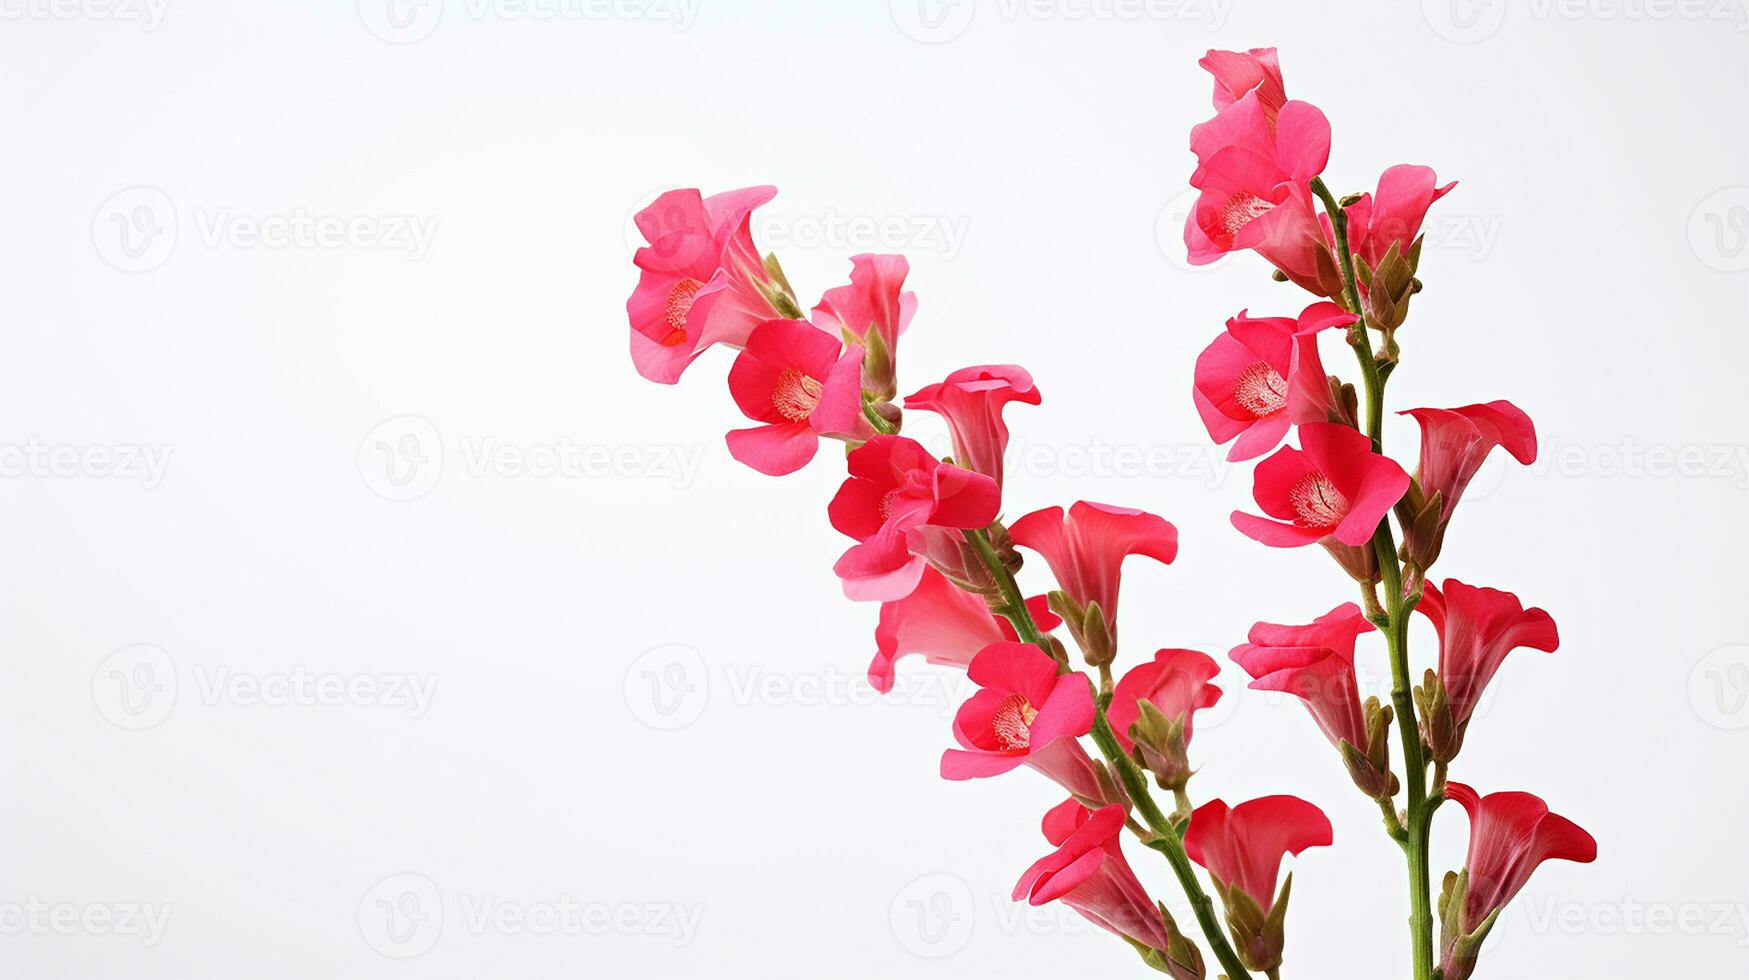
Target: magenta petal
{"x": 775, "y": 450}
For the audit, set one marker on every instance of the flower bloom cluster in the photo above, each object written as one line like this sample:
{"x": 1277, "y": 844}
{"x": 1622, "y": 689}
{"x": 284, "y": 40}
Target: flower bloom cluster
{"x": 929, "y": 545}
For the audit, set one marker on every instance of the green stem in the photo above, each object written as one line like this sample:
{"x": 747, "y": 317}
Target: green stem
{"x": 1398, "y": 607}
{"x": 1162, "y": 836}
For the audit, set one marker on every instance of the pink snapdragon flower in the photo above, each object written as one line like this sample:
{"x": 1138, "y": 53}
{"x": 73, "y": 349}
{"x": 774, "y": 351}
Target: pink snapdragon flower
{"x": 699, "y": 279}
{"x": 1262, "y": 376}
{"x": 1242, "y": 848}
{"x": 1062, "y": 820}
{"x": 1315, "y": 663}
{"x": 875, "y": 301}
{"x": 1088, "y": 873}
{"x": 1176, "y": 682}
{"x": 971, "y": 401}
{"x": 1239, "y": 73}
{"x": 1510, "y": 835}
{"x": 1394, "y": 215}
{"x": 802, "y": 383}
{"x": 1086, "y": 547}
{"x": 945, "y": 624}
{"x": 1025, "y": 714}
{"x": 1455, "y": 442}
{"x": 1477, "y": 628}
{"x": 895, "y": 488}
{"x": 1335, "y": 486}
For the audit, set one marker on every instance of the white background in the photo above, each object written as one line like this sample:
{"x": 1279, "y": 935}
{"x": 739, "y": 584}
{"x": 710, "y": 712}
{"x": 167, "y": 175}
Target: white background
{"x": 1031, "y": 160}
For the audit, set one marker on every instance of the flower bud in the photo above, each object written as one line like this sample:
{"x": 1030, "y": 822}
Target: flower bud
{"x": 1371, "y": 768}
{"x": 1087, "y": 625}
{"x": 1439, "y": 731}
{"x": 1160, "y": 746}
{"x": 1257, "y": 936}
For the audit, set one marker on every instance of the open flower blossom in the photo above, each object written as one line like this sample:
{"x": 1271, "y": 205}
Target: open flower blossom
{"x": 699, "y": 280}
{"x": 1333, "y": 486}
{"x": 971, "y": 401}
{"x": 1062, "y": 820}
{"x": 1025, "y": 713}
{"x": 1510, "y": 835}
{"x": 874, "y": 303}
{"x": 1477, "y": 628}
{"x": 1394, "y": 215}
{"x": 802, "y": 383}
{"x": 896, "y": 487}
{"x": 1262, "y": 376}
{"x": 1174, "y": 686}
{"x": 1455, "y": 442}
{"x": 1239, "y": 73}
{"x": 1085, "y": 549}
{"x": 944, "y": 623}
{"x": 1315, "y": 663}
{"x": 1242, "y": 848}
{"x": 1088, "y": 873}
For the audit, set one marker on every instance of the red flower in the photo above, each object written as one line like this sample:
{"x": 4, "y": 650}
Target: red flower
{"x": 801, "y": 382}
{"x": 1242, "y": 849}
{"x": 1086, "y": 549}
{"x": 1394, "y": 215}
{"x": 874, "y": 302}
{"x": 896, "y": 487}
{"x": 1477, "y": 629}
{"x": 1335, "y": 486}
{"x": 971, "y": 400}
{"x": 1454, "y": 444}
{"x": 1315, "y": 663}
{"x": 700, "y": 279}
{"x": 1025, "y": 714}
{"x": 1239, "y": 73}
{"x": 1088, "y": 873}
{"x": 1510, "y": 835}
{"x": 1176, "y": 686}
{"x": 944, "y": 623}
{"x": 1263, "y": 375}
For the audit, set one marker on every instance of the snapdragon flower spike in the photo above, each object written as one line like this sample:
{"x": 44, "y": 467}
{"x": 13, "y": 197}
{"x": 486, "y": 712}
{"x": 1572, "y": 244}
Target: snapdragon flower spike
{"x": 1088, "y": 873}
{"x": 1315, "y": 663}
{"x": 971, "y": 401}
{"x": 802, "y": 383}
{"x": 874, "y": 310}
{"x": 1025, "y": 713}
{"x": 1455, "y": 442}
{"x": 1477, "y": 628}
{"x": 1242, "y": 848}
{"x": 699, "y": 279}
{"x": 897, "y": 487}
{"x": 945, "y": 624}
{"x": 1334, "y": 486}
{"x": 1394, "y": 215}
{"x": 1263, "y": 375}
{"x": 1511, "y": 834}
{"x": 1174, "y": 686}
{"x": 1085, "y": 549}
